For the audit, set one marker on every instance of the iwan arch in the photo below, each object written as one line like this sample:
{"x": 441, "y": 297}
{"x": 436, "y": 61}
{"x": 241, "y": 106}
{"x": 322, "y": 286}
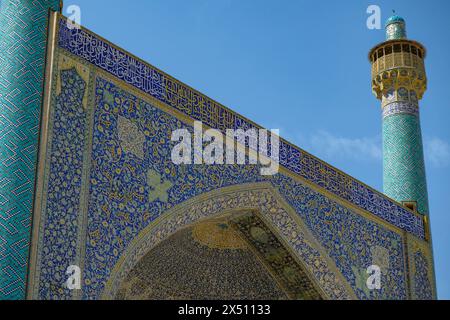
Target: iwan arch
{"x": 249, "y": 218}
{"x": 108, "y": 198}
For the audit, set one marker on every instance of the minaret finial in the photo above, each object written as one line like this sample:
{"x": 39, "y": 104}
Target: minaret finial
{"x": 395, "y": 27}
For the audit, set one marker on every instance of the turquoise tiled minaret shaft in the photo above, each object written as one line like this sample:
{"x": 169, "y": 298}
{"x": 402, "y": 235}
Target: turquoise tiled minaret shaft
{"x": 23, "y": 39}
{"x": 399, "y": 81}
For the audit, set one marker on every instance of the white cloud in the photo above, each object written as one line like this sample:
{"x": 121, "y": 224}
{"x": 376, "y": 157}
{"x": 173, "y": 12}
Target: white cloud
{"x": 437, "y": 151}
{"x": 327, "y": 145}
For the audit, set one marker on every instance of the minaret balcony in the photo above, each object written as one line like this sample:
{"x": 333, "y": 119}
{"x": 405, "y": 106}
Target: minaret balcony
{"x": 398, "y": 64}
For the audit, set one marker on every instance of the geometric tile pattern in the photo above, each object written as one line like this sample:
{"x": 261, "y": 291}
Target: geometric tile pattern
{"x": 235, "y": 200}
{"x": 67, "y": 152}
{"x": 400, "y": 107}
{"x": 350, "y": 240}
{"x": 404, "y": 176}
{"x": 119, "y": 203}
{"x": 23, "y": 33}
{"x": 395, "y": 28}
{"x": 399, "y": 81}
{"x": 172, "y": 270}
{"x": 287, "y": 270}
{"x": 193, "y": 104}
{"x": 422, "y": 283}
{"x": 421, "y": 270}
{"x": 132, "y": 182}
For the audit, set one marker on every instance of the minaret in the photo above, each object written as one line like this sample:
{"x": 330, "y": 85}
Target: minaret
{"x": 399, "y": 81}
{"x": 23, "y": 41}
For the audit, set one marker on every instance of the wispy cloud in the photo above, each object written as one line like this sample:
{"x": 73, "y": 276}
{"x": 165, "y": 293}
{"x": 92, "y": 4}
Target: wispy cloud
{"x": 437, "y": 151}
{"x": 330, "y": 146}
{"x": 325, "y": 144}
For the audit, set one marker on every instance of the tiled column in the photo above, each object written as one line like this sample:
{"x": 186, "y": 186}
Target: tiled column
{"x": 23, "y": 39}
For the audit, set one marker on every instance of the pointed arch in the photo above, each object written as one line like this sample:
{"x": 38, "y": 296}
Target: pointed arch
{"x": 263, "y": 201}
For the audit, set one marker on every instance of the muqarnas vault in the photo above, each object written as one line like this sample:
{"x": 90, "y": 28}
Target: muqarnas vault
{"x": 86, "y": 180}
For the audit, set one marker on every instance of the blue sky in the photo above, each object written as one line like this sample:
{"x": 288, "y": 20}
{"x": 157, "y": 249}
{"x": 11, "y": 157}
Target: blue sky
{"x": 300, "y": 66}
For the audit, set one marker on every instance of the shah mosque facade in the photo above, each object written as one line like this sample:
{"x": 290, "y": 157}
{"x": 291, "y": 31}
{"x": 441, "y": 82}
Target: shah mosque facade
{"x": 87, "y": 180}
